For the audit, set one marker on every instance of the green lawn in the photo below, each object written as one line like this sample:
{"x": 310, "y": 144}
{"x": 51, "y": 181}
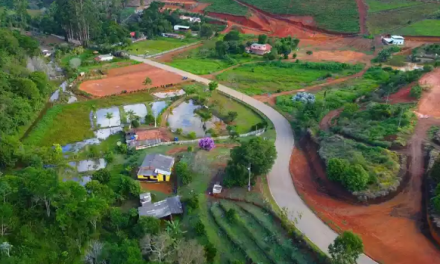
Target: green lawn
{"x": 335, "y": 15}
{"x": 392, "y": 20}
{"x": 226, "y": 6}
{"x": 158, "y": 45}
{"x": 428, "y": 27}
{"x": 70, "y": 123}
{"x": 336, "y": 95}
{"x": 246, "y": 118}
{"x": 272, "y": 77}
{"x": 381, "y": 5}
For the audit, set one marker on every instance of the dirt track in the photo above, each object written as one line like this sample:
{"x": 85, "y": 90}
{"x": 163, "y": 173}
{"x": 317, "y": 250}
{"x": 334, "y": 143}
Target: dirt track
{"x": 130, "y": 79}
{"x": 363, "y": 13}
{"x": 429, "y": 103}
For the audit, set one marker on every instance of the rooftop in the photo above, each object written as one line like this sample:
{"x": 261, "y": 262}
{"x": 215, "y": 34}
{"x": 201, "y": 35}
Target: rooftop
{"x": 162, "y": 208}
{"x": 157, "y": 161}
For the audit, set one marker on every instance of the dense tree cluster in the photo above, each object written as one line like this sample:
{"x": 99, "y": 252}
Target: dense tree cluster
{"x": 346, "y": 248}
{"x": 257, "y": 154}
{"x": 352, "y": 176}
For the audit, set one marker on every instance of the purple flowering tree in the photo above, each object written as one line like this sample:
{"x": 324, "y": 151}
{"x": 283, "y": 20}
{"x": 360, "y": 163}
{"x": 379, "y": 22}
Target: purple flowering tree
{"x": 206, "y": 143}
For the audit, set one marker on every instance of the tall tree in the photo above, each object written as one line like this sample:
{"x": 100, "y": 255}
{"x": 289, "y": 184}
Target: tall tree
{"x": 346, "y": 248}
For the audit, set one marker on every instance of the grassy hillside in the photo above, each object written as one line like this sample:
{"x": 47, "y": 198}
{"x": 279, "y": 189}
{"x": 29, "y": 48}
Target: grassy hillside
{"x": 335, "y": 15}
{"x": 226, "y": 7}
{"x": 390, "y": 16}
{"x": 428, "y": 27}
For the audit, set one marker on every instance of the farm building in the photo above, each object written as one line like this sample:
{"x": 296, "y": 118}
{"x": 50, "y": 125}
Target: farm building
{"x": 181, "y": 28}
{"x": 107, "y": 57}
{"x": 191, "y": 19}
{"x": 161, "y": 209}
{"x": 141, "y": 139}
{"x": 259, "y": 49}
{"x": 394, "y": 40}
{"x": 172, "y": 35}
{"x": 156, "y": 168}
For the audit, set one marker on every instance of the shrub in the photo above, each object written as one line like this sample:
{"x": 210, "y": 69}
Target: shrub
{"x": 346, "y": 248}
{"x": 206, "y": 143}
{"x": 190, "y": 149}
{"x": 75, "y": 63}
{"x": 109, "y": 156}
{"x": 102, "y": 175}
{"x": 231, "y": 215}
{"x": 200, "y": 228}
{"x": 182, "y": 172}
{"x": 309, "y": 52}
{"x": 192, "y": 135}
{"x": 149, "y": 119}
{"x": 135, "y": 123}
{"x": 192, "y": 203}
{"x": 210, "y": 252}
{"x": 179, "y": 131}
{"x": 416, "y": 92}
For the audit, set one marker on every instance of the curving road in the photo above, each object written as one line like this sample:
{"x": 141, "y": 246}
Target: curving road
{"x": 279, "y": 179}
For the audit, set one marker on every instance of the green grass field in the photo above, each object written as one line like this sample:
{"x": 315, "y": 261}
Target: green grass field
{"x": 382, "y": 5}
{"x": 335, "y": 15}
{"x": 226, "y": 7}
{"x": 70, "y": 123}
{"x": 394, "y": 19}
{"x": 246, "y": 118}
{"x": 271, "y": 77}
{"x": 336, "y": 95}
{"x": 158, "y": 45}
{"x": 428, "y": 27}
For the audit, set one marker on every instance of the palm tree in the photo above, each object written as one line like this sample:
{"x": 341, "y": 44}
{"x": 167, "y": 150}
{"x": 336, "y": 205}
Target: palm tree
{"x": 131, "y": 115}
{"x": 109, "y": 116}
{"x": 147, "y": 81}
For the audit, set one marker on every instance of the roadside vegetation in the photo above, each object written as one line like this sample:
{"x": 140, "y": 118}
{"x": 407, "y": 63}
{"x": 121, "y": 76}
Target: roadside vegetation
{"x": 327, "y": 14}
{"x": 272, "y": 77}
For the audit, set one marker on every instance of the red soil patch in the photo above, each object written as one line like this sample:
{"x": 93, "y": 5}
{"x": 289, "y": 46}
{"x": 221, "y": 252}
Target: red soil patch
{"x": 305, "y": 20}
{"x": 346, "y": 56}
{"x": 430, "y": 101}
{"x": 252, "y": 22}
{"x": 130, "y": 79}
{"x": 163, "y": 187}
{"x": 391, "y": 231}
{"x": 325, "y": 123}
{"x": 402, "y": 96}
{"x": 200, "y": 7}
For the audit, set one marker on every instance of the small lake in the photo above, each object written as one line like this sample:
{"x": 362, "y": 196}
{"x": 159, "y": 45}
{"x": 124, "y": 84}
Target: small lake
{"x": 157, "y": 107}
{"x": 183, "y": 117}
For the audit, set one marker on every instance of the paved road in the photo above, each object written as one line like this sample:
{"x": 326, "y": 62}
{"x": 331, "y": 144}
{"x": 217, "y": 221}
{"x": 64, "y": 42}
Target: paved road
{"x": 280, "y": 181}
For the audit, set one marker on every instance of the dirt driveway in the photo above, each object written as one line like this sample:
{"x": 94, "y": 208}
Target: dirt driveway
{"x": 430, "y": 101}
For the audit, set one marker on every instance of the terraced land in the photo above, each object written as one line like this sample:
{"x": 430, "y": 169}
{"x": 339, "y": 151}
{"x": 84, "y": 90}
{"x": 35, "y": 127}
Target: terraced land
{"x": 261, "y": 239}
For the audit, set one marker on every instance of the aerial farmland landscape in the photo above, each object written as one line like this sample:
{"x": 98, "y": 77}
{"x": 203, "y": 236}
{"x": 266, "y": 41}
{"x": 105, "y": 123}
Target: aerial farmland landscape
{"x": 220, "y": 131}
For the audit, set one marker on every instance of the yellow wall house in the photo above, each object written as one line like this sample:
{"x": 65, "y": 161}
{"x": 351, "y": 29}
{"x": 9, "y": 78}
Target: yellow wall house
{"x": 156, "y": 168}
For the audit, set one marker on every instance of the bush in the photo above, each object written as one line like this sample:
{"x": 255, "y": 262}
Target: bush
{"x": 192, "y": 203}
{"x": 200, "y": 228}
{"x": 190, "y": 149}
{"x": 192, "y": 135}
{"x": 210, "y": 252}
{"x": 109, "y": 156}
{"x": 135, "y": 123}
{"x": 231, "y": 215}
{"x": 416, "y": 92}
{"x": 149, "y": 119}
{"x": 179, "y": 131}
{"x": 353, "y": 177}
{"x": 182, "y": 172}
{"x": 309, "y": 52}
{"x": 75, "y": 63}
{"x": 206, "y": 143}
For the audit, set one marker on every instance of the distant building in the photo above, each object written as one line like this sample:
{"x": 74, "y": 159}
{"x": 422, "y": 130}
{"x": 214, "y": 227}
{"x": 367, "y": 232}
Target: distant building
{"x": 259, "y": 49}
{"x": 107, "y": 57}
{"x": 141, "y": 139}
{"x": 173, "y": 35}
{"x": 181, "y": 28}
{"x": 191, "y": 19}
{"x": 394, "y": 40}
{"x": 161, "y": 209}
{"x": 156, "y": 168}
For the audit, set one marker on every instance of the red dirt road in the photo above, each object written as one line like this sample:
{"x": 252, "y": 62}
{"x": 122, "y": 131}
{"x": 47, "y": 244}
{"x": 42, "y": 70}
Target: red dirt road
{"x": 391, "y": 231}
{"x": 430, "y": 101}
{"x": 130, "y": 79}
{"x": 363, "y": 12}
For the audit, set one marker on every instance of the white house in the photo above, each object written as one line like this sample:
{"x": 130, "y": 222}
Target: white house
{"x": 394, "y": 40}
{"x": 191, "y": 19}
{"x": 180, "y": 28}
{"x": 107, "y": 57}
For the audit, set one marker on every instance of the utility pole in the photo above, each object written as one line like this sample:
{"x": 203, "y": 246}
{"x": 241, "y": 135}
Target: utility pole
{"x": 249, "y": 181}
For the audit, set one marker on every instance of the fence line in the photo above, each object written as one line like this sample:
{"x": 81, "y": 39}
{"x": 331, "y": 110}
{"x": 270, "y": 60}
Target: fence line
{"x": 256, "y": 133}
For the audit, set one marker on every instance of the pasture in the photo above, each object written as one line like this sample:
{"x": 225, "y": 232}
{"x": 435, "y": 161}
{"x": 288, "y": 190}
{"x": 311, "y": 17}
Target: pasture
{"x": 226, "y": 6}
{"x": 158, "y": 45}
{"x": 272, "y": 77}
{"x": 427, "y": 27}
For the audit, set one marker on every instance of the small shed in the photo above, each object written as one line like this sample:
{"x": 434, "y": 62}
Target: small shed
{"x": 161, "y": 209}
{"x": 107, "y": 57}
{"x": 180, "y": 28}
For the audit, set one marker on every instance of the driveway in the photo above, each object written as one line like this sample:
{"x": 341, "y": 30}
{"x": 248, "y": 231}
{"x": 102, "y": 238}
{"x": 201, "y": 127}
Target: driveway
{"x": 279, "y": 179}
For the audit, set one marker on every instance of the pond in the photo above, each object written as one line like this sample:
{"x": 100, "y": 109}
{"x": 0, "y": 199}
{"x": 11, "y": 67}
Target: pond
{"x": 183, "y": 117}
{"x": 157, "y": 107}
